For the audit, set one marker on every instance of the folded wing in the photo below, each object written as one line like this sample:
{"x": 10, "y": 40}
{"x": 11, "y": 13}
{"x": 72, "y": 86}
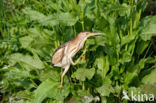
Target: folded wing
{"x": 58, "y": 54}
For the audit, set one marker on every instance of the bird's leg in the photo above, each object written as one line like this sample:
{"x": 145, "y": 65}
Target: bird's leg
{"x": 82, "y": 55}
{"x": 62, "y": 76}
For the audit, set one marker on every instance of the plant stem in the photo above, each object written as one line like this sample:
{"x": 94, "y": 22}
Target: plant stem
{"x": 34, "y": 83}
{"x": 131, "y": 19}
{"x": 83, "y": 86}
{"x": 74, "y": 30}
{"x": 147, "y": 50}
{"x": 82, "y": 15}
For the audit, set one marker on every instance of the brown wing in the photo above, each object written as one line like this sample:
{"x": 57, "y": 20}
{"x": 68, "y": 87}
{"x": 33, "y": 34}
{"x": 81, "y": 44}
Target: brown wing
{"x": 58, "y": 54}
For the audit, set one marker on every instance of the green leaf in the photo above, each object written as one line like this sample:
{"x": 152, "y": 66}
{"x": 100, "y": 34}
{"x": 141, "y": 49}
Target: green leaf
{"x": 106, "y": 88}
{"x": 50, "y": 89}
{"x": 100, "y": 61}
{"x": 149, "y": 89}
{"x": 16, "y": 73}
{"x": 83, "y": 73}
{"x": 49, "y": 73}
{"x": 150, "y": 78}
{"x": 26, "y": 41}
{"x": 24, "y": 94}
{"x": 54, "y": 5}
{"x": 125, "y": 57}
{"x": 127, "y": 39}
{"x": 124, "y": 9}
{"x": 20, "y": 78}
{"x": 129, "y": 78}
{"x": 103, "y": 64}
{"x": 36, "y": 40}
{"x": 60, "y": 18}
{"x": 141, "y": 46}
{"x": 148, "y": 26}
{"x": 142, "y": 63}
{"x": 111, "y": 52}
{"x": 33, "y": 61}
{"x": 117, "y": 89}
{"x": 121, "y": 9}
{"x": 34, "y": 15}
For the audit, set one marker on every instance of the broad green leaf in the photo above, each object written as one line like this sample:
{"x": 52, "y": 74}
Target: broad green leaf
{"x": 24, "y": 94}
{"x": 106, "y": 88}
{"x": 49, "y": 32}
{"x": 150, "y": 78}
{"x": 125, "y": 57}
{"x": 82, "y": 74}
{"x": 100, "y": 62}
{"x": 149, "y": 88}
{"x": 50, "y": 89}
{"x": 103, "y": 64}
{"x": 89, "y": 10}
{"x": 40, "y": 39}
{"x": 87, "y": 96}
{"x": 141, "y": 46}
{"x": 20, "y": 78}
{"x": 127, "y": 39}
{"x": 54, "y": 5}
{"x": 49, "y": 73}
{"x": 148, "y": 32}
{"x": 121, "y": 9}
{"x": 61, "y": 18}
{"x": 124, "y": 10}
{"x": 148, "y": 26}
{"x": 16, "y": 73}
{"x": 36, "y": 39}
{"x": 34, "y": 32}
{"x": 115, "y": 73}
{"x": 142, "y": 63}
{"x": 25, "y": 83}
{"x": 52, "y": 20}
{"x": 26, "y": 41}
{"x": 34, "y": 15}
{"x": 129, "y": 78}
{"x": 33, "y": 61}
{"x": 100, "y": 40}
{"x": 83, "y": 93}
{"x": 111, "y": 54}
{"x": 117, "y": 89}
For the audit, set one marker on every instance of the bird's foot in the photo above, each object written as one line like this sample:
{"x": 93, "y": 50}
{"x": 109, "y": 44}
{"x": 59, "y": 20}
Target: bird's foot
{"x": 83, "y": 57}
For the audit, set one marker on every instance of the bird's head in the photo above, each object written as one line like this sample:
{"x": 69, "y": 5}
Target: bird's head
{"x": 87, "y": 34}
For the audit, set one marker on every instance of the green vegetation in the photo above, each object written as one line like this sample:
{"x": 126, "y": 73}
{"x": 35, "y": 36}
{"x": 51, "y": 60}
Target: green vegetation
{"x": 122, "y": 59}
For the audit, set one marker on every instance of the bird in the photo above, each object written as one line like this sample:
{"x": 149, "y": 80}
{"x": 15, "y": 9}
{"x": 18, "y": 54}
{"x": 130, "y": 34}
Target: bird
{"x": 62, "y": 57}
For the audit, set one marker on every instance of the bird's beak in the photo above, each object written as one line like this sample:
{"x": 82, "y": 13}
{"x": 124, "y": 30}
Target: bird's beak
{"x": 93, "y": 34}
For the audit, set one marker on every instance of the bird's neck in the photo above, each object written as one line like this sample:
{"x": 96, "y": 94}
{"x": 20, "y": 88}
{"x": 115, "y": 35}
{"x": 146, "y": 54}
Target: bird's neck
{"x": 82, "y": 42}
{"x": 79, "y": 41}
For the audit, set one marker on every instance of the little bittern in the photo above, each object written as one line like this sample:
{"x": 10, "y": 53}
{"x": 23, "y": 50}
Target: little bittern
{"x": 62, "y": 57}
